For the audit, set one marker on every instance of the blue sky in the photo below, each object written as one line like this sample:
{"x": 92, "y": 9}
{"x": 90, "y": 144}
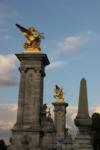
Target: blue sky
{"x": 72, "y": 43}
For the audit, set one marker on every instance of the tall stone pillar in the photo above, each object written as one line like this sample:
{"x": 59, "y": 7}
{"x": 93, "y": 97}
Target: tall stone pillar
{"x": 60, "y": 119}
{"x": 83, "y": 121}
{"x": 26, "y": 132}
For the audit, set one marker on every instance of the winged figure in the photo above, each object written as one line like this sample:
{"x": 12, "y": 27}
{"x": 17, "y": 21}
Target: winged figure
{"x": 58, "y": 92}
{"x": 33, "y": 38}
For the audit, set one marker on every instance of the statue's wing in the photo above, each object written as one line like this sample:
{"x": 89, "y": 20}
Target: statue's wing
{"x": 57, "y": 87}
{"x": 23, "y": 30}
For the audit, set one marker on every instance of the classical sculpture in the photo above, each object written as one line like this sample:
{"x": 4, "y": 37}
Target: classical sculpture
{"x": 33, "y": 38}
{"x": 58, "y": 94}
{"x": 44, "y": 112}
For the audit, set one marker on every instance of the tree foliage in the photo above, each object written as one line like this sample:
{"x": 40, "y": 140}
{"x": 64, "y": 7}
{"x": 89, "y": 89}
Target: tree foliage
{"x": 96, "y": 130}
{"x": 2, "y": 145}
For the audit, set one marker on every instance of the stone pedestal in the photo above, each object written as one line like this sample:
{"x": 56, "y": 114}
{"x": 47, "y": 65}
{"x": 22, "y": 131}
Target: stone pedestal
{"x": 60, "y": 120}
{"x": 83, "y": 142}
{"x": 67, "y": 144}
{"x": 26, "y": 132}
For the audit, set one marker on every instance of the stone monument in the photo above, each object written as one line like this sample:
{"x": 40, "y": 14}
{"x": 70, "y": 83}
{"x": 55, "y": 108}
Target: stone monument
{"x": 34, "y": 128}
{"x": 63, "y": 140}
{"x": 83, "y": 121}
{"x": 27, "y": 130}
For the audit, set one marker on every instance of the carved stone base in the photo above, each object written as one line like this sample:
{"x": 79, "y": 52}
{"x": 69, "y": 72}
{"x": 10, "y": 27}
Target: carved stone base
{"x": 25, "y": 140}
{"x": 83, "y": 142}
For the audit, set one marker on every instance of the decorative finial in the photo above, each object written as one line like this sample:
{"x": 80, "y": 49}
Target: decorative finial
{"x": 33, "y": 38}
{"x": 58, "y": 94}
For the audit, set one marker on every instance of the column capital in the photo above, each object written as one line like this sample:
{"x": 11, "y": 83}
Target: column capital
{"x": 60, "y": 104}
{"x": 33, "y": 57}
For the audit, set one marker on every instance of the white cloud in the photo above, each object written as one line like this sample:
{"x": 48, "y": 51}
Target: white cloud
{"x": 7, "y": 115}
{"x": 56, "y": 64}
{"x": 7, "y": 64}
{"x": 97, "y": 109}
{"x": 69, "y": 43}
{"x": 7, "y": 120}
{"x": 5, "y": 134}
{"x": 72, "y": 110}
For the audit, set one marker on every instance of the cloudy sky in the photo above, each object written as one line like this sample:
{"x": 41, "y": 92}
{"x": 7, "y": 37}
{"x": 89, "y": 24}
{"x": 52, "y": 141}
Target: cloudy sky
{"x": 72, "y": 43}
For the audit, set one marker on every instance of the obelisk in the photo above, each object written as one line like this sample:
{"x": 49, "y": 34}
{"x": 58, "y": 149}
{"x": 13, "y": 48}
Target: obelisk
{"x": 83, "y": 121}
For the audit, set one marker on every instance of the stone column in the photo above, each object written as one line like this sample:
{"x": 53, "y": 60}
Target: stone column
{"x": 31, "y": 88}
{"x": 68, "y": 143}
{"x": 83, "y": 121}
{"x": 60, "y": 119}
{"x": 21, "y": 98}
{"x": 30, "y": 101}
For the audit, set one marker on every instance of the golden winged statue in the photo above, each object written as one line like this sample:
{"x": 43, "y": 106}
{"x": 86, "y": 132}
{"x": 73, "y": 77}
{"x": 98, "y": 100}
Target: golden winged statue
{"x": 58, "y": 94}
{"x": 33, "y": 38}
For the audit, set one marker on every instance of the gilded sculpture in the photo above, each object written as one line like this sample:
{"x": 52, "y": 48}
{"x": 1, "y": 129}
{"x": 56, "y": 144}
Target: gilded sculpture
{"x": 58, "y": 94}
{"x": 33, "y": 38}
